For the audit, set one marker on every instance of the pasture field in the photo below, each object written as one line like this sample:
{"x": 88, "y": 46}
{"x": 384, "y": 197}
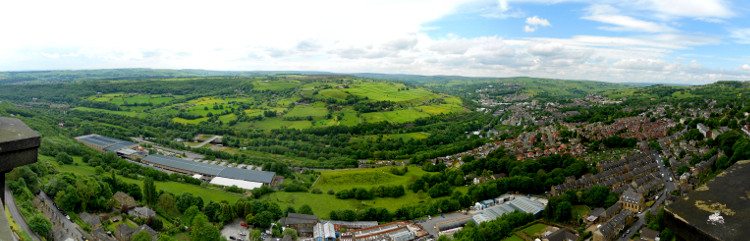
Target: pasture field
{"x": 314, "y": 110}
{"x": 278, "y": 123}
{"x": 365, "y": 178}
{"x": 125, "y": 113}
{"x": 275, "y": 85}
{"x": 380, "y": 91}
{"x": 396, "y": 116}
{"x": 403, "y": 136}
{"x": 186, "y": 121}
{"x": 323, "y": 204}
{"x": 334, "y": 93}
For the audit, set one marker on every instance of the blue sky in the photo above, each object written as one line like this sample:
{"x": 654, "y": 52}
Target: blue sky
{"x": 666, "y": 41}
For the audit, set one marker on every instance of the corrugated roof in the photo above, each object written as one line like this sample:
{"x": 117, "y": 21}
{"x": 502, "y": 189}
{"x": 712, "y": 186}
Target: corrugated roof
{"x": 212, "y": 170}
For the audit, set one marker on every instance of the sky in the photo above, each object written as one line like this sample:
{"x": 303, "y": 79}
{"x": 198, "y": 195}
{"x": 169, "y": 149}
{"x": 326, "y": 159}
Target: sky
{"x": 654, "y": 41}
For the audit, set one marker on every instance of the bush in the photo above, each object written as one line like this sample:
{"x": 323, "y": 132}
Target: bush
{"x": 316, "y": 191}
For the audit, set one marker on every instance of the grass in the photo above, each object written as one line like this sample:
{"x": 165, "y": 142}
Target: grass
{"x": 403, "y": 136}
{"x": 365, "y": 178}
{"x": 315, "y": 110}
{"x": 277, "y": 123}
{"x": 323, "y": 204}
{"x": 274, "y": 85}
{"x": 186, "y": 121}
{"x": 334, "y": 93}
{"x": 580, "y": 210}
{"x": 533, "y": 229}
{"x": 513, "y": 238}
{"x": 208, "y": 194}
{"x": 397, "y": 116}
{"x": 125, "y": 113}
{"x": 380, "y": 91}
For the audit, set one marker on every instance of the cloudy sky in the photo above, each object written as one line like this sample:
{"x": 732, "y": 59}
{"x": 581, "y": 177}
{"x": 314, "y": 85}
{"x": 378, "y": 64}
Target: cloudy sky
{"x": 668, "y": 41}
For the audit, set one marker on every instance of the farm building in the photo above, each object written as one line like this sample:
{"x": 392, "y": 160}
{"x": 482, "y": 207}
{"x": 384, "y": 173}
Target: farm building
{"x": 220, "y": 175}
{"x": 104, "y": 144}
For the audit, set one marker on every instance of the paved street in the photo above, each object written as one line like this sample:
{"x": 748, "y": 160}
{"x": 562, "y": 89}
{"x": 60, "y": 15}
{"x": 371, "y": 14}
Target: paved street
{"x": 10, "y": 202}
{"x": 64, "y": 228}
{"x": 668, "y": 188}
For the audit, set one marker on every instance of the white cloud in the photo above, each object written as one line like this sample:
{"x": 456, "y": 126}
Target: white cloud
{"x": 741, "y": 36}
{"x": 610, "y": 15}
{"x": 536, "y": 20}
{"x": 534, "y": 23}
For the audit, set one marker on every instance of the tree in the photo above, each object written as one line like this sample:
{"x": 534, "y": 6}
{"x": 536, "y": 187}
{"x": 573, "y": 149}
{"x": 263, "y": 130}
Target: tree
{"x": 263, "y": 219}
{"x": 564, "y": 211}
{"x": 64, "y": 158}
{"x": 291, "y": 232}
{"x": 167, "y": 203}
{"x": 305, "y": 209}
{"x": 40, "y": 225}
{"x": 203, "y": 230}
{"x": 189, "y": 214}
{"x": 143, "y": 235}
{"x": 666, "y": 235}
{"x": 254, "y": 235}
{"x": 164, "y": 237}
{"x": 249, "y": 218}
{"x": 149, "y": 191}
{"x": 86, "y": 189}
{"x": 682, "y": 169}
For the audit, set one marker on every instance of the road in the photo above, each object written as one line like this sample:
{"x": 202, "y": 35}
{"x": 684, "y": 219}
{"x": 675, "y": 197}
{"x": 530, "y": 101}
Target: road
{"x": 206, "y": 142}
{"x": 668, "y": 188}
{"x": 64, "y": 228}
{"x": 10, "y": 202}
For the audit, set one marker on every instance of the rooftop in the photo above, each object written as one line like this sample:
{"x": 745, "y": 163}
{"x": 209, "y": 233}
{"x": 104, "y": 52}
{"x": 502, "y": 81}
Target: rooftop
{"x": 212, "y": 170}
{"x": 728, "y": 193}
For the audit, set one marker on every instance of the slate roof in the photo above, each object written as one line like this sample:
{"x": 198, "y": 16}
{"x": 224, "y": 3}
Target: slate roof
{"x": 212, "y": 170}
{"x": 297, "y": 218}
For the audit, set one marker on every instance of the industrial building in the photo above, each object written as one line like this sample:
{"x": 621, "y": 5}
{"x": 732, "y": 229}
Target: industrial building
{"x": 517, "y": 203}
{"x": 105, "y": 144}
{"x": 220, "y": 175}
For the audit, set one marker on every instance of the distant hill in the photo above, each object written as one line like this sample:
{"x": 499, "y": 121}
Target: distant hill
{"x": 50, "y": 76}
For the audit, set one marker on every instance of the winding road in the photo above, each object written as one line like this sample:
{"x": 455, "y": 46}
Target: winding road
{"x": 10, "y": 202}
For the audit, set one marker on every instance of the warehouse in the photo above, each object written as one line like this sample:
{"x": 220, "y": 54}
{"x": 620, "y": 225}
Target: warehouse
{"x": 104, "y": 144}
{"x": 519, "y": 203}
{"x": 221, "y": 175}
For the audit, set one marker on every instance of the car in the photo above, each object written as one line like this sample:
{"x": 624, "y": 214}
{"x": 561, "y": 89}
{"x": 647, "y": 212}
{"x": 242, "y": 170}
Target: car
{"x": 232, "y": 238}
{"x": 67, "y": 217}
{"x": 441, "y": 215}
{"x": 429, "y": 217}
{"x": 243, "y": 234}
{"x": 243, "y": 224}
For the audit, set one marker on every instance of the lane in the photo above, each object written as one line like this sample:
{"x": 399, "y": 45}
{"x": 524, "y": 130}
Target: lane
{"x": 10, "y": 202}
{"x": 64, "y": 229}
{"x": 669, "y": 186}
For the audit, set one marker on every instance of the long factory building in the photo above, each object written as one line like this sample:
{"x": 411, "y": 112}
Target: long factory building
{"x": 219, "y": 175}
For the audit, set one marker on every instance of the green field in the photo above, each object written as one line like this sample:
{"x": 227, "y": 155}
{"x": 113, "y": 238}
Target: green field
{"x": 379, "y": 91}
{"x": 403, "y": 136}
{"x": 580, "y": 210}
{"x": 397, "y": 116}
{"x": 365, "y": 178}
{"x": 275, "y": 85}
{"x": 334, "y": 93}
{"x": 513, "y": 238}
{"x": 125, "y": 113}
{"x": 278, "y": 123}
{"x": 208, "y": 194}
{"x": 323, "y": 204}
{"x": 313, "y": 110}
{"x": 533, "y": 229}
